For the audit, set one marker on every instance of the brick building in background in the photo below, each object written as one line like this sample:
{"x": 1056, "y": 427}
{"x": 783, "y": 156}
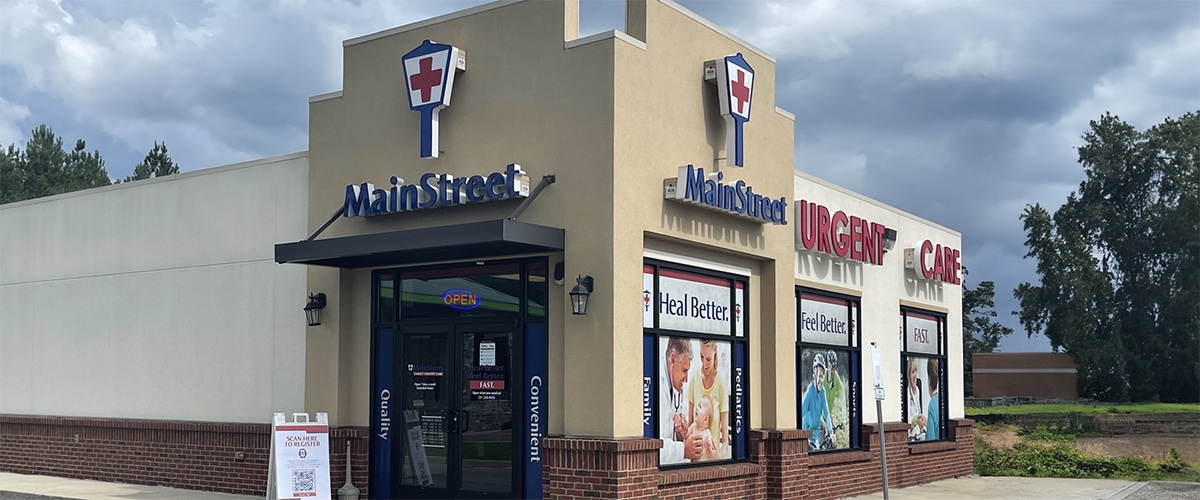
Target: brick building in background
{"x": 1027, "y": 374}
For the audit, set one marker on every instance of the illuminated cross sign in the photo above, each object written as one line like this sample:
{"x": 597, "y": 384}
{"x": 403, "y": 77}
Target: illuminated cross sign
{"x": 429, "y": 77}
{"x": 735, "y": 79}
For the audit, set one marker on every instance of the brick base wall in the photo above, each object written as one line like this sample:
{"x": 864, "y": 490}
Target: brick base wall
{"x": 204, "y": 456}
{"x": 840, "y": 475}
{"x": 191, "y": 455}
{"x": 600, "y": 468}
{"x": 738, "y": 481}
{"x": 780, "y": 467}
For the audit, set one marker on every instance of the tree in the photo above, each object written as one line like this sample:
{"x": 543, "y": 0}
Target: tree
{"x": 1119, "y": 263}
{"x": 981, "y": 333}
{"x": 156, "y": 164}
{"x": 44, "y": 168}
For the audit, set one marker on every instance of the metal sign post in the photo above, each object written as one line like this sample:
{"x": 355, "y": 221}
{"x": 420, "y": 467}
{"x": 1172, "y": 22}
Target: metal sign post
{"x": 875, "y": 359}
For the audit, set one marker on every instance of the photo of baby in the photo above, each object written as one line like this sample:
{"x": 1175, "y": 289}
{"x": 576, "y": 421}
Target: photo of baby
{"x": 694, "y": 400}
{"x": 701, "y": 423}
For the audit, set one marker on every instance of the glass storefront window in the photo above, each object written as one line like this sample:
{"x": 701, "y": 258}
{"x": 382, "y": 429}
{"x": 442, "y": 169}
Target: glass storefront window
{"x": 480, "y": 291}
{"x": 385, "y": 298}
{"x": 538, "y": 290}
{"x": 694, "y": 366}
{"x": 829, "y": 356}
{"x": 924, "y": 379}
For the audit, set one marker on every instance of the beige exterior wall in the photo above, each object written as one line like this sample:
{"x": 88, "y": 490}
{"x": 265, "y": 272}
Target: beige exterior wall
{"x": 612, "y": 116}
{"x": 667, "y": 117}
{"x": 883, "y": 289}
{"x": 156, "y": 299}
{"x": 527, "y": 97}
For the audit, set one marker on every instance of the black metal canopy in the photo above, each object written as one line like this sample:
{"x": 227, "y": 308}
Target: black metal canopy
{"x": 471, "y": 240}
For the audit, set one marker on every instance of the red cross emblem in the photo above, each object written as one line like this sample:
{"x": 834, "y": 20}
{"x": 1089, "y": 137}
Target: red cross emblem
{"x": 736, "y": 83}
{"x": 426, "y": 79}
{"x": 429, "y": 73}
{"x": 738, "y": 88}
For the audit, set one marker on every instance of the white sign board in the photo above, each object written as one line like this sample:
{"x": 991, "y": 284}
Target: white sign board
{"x": 300, "y": 455}
{"x": 487, "y": 353}
{"x": 694, "y": 303}
{"x": 739, "y": 308}
{"x": 648, "y": 296}
{"x": 416, "y": 448}
{"x": 877, "y": 361}
{"x": 922, "y": 333}
{"x": 824, "y": 320}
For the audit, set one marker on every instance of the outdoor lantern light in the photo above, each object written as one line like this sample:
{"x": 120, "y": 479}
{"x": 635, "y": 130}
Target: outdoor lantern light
{"x": 889, "y": 239}
{"x": 316, "y": 302}
{"x": 580, "y": 293}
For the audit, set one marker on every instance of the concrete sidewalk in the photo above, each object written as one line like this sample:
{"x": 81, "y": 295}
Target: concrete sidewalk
{"x": 23, "y": 487}
{"x": 1037, "y": 488}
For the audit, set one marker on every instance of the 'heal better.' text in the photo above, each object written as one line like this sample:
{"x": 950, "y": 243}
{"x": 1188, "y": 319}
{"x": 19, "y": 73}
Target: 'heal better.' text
{"x": 694, "y": 307}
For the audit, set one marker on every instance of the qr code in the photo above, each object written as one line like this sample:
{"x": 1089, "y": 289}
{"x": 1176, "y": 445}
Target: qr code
{"x": 304, "y": 481}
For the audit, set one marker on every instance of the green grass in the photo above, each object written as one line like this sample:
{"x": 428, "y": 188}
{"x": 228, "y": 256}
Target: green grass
{"x": 1051, "y": 453}
{"x": 1091, "y": 408}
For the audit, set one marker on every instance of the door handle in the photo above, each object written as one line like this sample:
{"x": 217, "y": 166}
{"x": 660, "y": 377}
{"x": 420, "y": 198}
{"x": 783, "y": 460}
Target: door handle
{"x": 466, "y": 421}
{"x": 451, "y": 417}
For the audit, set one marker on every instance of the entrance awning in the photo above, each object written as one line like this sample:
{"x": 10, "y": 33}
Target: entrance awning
{"x": 459, "y": 241}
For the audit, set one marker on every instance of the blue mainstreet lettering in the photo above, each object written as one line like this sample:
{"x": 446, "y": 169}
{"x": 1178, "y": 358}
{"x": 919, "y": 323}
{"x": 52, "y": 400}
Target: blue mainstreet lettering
{"x": 434, "y": 190}
{"x": 736, "y": 198}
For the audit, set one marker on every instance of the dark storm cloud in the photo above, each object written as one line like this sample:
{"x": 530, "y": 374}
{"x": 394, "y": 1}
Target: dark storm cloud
{"x": 953, "y": 113}
{"x": 959, "y": 112}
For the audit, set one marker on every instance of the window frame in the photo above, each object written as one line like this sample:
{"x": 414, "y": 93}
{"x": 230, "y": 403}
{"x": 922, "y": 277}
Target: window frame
{"x": 653, "y": 336}
{"x": 943, "y": 368}
{"x": 853, "y": 346}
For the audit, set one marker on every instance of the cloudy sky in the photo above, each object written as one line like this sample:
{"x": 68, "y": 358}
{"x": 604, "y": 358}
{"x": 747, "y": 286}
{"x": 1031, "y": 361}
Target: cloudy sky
{"x": 962, "y": 112}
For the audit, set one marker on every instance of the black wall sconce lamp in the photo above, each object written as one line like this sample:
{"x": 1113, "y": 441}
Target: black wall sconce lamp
{"x": 316, "y": 302}
{"x": 889, "y": 239}
{"x": 579, "y": 295}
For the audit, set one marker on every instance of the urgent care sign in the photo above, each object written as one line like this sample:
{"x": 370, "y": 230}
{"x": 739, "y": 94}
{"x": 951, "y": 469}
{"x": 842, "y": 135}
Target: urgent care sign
{"x": 934, "y": 262}
{"x": 838, "y": 233}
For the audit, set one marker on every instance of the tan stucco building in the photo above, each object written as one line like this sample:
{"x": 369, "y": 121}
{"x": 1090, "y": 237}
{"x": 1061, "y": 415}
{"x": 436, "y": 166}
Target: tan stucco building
{"x": 732, "y": 305}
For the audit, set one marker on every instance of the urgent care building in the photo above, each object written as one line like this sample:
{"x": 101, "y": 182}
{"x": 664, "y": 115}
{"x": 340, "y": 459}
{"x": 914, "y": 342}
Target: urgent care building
{"x": 544, "y": 266}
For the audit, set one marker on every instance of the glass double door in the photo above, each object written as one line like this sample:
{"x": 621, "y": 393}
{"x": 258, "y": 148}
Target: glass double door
{"x": 458, "y": 439}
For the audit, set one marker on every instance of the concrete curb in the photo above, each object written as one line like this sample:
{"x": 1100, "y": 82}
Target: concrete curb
{"x": 1126, "y": 491}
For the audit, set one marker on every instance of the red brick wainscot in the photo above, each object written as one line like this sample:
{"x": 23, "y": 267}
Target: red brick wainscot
{"x": 600, "y": 468}
{"x": 780, "y": 467}
{"x": 221, "y": 457}
{"x": 852, "y": 473}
